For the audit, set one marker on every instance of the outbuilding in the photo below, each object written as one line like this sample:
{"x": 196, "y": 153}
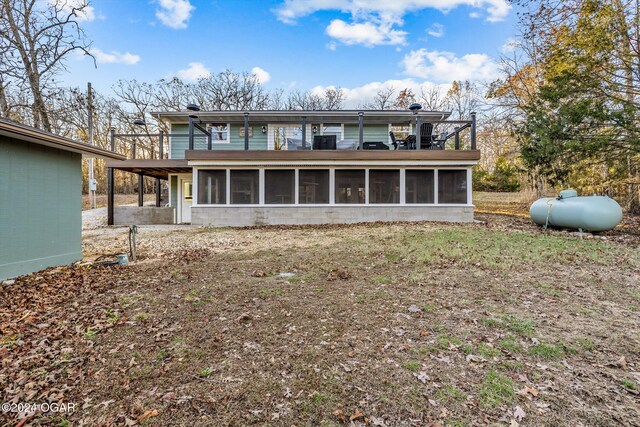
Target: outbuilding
{"x": 40, "y": 198}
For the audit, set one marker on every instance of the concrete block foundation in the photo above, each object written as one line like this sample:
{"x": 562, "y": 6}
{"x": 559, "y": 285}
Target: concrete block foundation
{"x": 243, "y": 216}
{"x": 143, "y": 215}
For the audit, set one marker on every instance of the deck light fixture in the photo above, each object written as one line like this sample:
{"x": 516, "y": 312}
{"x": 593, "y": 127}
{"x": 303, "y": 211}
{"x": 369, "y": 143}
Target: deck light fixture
{"x": 264, "y": 129}
{"x": 314, "y": 129}
{"x": 415, "y": 107}
{"x": 193, "y": 107}
{"x": 139, "y": 122}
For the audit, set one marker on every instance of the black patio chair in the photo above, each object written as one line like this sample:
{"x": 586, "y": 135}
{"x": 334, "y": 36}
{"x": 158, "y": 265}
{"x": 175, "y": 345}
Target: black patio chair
{"x": 426, "y": 136}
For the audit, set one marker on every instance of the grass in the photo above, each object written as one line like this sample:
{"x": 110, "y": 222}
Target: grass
{"x": 511, "y": 323}
{"x": 355, "y": 342}
{"x": 586, "y": 344}
{"x": 450, "y": 393}
{"x": 496, "y": 390}
{"x": 445, "y": 341}
{"x": 505, "y": 251}
{"x": 205, "y": 372}
{"x": 546, "y": 351}
{"x": 511, "y": 345}
{"x": 412, "y": 365}
{"x": 488, "y": 351}
{"x": 629, "y": 384}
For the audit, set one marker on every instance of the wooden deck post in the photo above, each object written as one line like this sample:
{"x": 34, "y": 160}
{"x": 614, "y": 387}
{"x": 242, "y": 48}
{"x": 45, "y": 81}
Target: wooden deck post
{"x": 140, "y": 189}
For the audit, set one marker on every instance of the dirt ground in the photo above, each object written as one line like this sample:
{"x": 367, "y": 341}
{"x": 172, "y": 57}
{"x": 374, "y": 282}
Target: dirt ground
{"x": 120, "y": 199}
{"x": 496, "y": 323}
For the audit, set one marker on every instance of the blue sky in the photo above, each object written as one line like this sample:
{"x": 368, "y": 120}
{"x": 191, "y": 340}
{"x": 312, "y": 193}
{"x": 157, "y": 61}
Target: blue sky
{"x": 360, "y": 45}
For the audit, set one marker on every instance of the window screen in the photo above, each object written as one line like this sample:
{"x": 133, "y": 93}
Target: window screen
{"x": 350, "y": 186}
{"x": 384, "y": 186}
{"x": 279, "y": 187}
{"x": 452, "y": 186}
{"x": 212, "y": 187}
{"x": 244, "y": 187}
{"x": 313, "y": 186}
{"x": 419, "y": 186}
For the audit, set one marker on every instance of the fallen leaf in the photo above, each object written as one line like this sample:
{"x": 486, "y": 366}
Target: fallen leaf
{"x": 356, "y": 415}
{"x": 148, "y": 414}
{"x": 519, "y": 413}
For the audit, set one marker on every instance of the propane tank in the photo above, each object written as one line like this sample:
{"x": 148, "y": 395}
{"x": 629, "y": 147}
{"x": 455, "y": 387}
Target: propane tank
{"x": 587, "y": 213}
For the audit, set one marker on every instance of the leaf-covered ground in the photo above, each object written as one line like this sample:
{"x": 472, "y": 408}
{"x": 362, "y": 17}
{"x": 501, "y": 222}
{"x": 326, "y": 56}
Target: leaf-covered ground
{"x": 385, "y": 324}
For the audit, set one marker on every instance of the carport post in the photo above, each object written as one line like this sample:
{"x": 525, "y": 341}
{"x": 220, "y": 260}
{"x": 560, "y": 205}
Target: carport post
{"x": 161, "y": 155}
{"x": 110, "y": 181}
{"x": 140, "y": 189}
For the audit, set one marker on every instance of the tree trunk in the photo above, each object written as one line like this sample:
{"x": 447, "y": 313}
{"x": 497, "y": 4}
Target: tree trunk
{"x": 634, "y": 196}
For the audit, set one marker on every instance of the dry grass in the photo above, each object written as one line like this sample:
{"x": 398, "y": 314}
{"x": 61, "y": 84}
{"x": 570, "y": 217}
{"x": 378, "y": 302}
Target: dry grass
{"x": 385, "y": 324}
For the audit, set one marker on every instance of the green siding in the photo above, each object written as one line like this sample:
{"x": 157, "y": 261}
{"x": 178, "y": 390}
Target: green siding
{"x": 371, "y": 133}
{"x": 181, "y": 143}
{"x": 174, "y": 191}
{"x": 40, "y": 207}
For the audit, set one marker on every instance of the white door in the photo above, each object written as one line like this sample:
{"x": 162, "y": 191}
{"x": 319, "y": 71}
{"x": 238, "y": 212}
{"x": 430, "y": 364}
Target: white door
{"x": 186, "y": 199}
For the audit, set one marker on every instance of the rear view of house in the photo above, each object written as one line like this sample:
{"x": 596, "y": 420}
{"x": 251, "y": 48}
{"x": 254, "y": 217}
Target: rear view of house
{"x": 243, "y": 168}
{"x": 40, "y": 198}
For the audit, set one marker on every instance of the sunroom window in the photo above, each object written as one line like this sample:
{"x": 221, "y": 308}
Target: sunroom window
{"x": 212, "y": 187}
{"x": 244, "y": 187}
{"x": 419, "y": 186}
{"x": 350, "y": 186}
{"x": 279, "y": 187}
{"x": 384, "y": 186}
{"x": 313, "y": 186}
{"x": 452, "y": 186}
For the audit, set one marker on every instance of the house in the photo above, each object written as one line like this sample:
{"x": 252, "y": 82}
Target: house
{"x": 40, "y": 198}
{"x": 243, "y": 168}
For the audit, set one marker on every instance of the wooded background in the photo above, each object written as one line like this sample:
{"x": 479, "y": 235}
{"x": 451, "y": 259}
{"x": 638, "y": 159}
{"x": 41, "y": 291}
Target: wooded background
{"x": 564, "y": 113}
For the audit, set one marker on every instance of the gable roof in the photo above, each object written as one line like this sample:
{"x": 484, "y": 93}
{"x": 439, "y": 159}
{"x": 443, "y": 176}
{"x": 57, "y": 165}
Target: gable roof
{"x": 22, "y": 132}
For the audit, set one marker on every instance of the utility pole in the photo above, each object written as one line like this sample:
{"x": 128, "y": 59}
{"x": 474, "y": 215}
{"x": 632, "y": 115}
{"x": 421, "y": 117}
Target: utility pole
{"x": 92, "y": 180}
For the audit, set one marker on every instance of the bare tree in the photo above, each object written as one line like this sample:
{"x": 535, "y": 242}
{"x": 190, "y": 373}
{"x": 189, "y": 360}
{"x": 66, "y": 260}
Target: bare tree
{"x": 432, "y": 98}
{"x": 382, "y": 100}
{"x": 43, "y": 35}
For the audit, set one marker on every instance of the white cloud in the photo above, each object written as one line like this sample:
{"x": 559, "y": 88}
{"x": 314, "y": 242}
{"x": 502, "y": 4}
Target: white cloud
{"x": 436, "y": 30}
{"x": 446, "y": 66}
{"x": 87, "y": 14}
{"x": 332, "y": 46}
{"x": 358, "y": 96}
{"x": 365, "y": 33}
{"x": 195, "y": 71}
{"x": 389, "y": 10}
{"x": 114, "y": 57}
{"x": 261, "y": 74}
{"x": 174, "y": 13}
{"x": 509, "y": 46}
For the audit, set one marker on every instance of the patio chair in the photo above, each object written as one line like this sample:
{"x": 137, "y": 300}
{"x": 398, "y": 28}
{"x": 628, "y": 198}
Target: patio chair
{"x": 402, "y": 144}
{"x": 426, "y": 136}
